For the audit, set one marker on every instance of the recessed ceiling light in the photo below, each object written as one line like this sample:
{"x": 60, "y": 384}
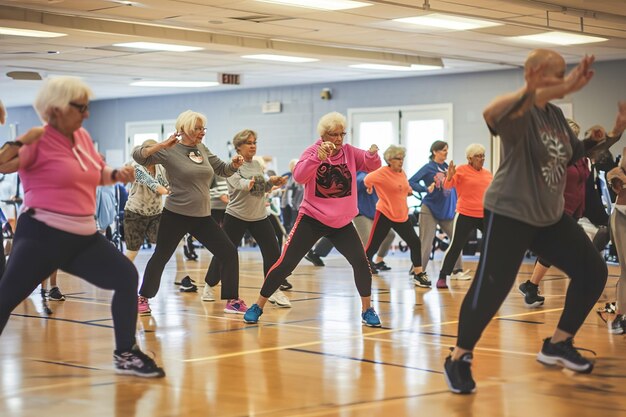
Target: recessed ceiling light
{"x": 158, "y": 46}
{"x": 320, "y": 4}
{"x": 386, "y": 67}
{"x": 181, "y": 84}
{"x": 560, "y": 38}
{"x": 30, "y": 33}
{"x": 280, "y": 58}
{"x": 444, "y": 21}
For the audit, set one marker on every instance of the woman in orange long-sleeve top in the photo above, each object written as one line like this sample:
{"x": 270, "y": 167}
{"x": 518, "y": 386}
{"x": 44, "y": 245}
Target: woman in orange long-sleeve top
{"x": 470, "y": 181}
{"x": 392, "y": 187}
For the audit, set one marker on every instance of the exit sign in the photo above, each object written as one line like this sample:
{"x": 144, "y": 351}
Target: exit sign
{"x": 230, "y": 79}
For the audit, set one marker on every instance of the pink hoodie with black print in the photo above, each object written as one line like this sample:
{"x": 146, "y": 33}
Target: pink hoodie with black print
{"x": 330, "y": 185}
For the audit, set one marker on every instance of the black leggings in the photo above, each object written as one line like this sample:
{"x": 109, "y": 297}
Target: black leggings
{"x": 305, "y": 232}
{"x": 38, "y": 250}
{"x": 261, "y": 230}
{"x": 505, "y": 242}
{"x": 405, "y": 230}
{"x": 206, "y": 231}
{"x": 600, "y": 240}
{"x": 463, "y": 228}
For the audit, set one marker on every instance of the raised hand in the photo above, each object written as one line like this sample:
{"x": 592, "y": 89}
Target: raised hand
{"x": 125, "y": 174}
{"x": 324, "y": 150}
{"x": 278, "y": 181}
{"x": 579, "y": 76}
{"x": 620, "y": 120}
{"x": 451, "y": 170}
{"x": 169, "y": 142}
{"x": 237, "y": 161}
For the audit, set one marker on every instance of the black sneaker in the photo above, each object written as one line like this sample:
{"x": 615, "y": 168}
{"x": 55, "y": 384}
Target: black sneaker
{"x": 314, "y": 258}
{"x": 618, "y": 325}
{"x": 382, "y": 266}
{"x": 421, "y": 280}
{"x": 135, "y": 362}
{"x": 186, "y": 285}
{"x": 565, "y": 354}
{"x": 458, "y": 374}
{"x": 55, "y": 294}
{"x": 285, "y": 286}
{"x": 530, "y": 291}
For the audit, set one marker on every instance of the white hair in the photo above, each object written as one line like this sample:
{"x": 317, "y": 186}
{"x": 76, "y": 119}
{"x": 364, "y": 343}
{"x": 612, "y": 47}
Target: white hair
{"x": 331, "y": 121}
{"x": 474, "y": 149}
{"x": 57, "y": 93}
{"x": 186, "y": 121}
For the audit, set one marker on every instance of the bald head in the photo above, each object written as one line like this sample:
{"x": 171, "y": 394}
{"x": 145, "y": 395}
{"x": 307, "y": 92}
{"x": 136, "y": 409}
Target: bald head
{"x": 543, "y": 57}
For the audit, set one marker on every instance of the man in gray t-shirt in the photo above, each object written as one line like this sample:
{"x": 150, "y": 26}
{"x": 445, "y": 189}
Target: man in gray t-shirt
{"x": 524, "y": 210}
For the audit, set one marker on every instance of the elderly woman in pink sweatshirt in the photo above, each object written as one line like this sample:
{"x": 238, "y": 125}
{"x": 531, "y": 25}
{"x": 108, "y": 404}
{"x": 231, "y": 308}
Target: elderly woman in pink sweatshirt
{"x": 62, "y": 231}
{"x": 328, "y": 171}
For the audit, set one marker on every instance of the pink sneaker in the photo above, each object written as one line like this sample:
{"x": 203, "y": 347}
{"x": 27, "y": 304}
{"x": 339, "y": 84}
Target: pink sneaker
{"x": 143, "y": 307}
{"x": 441, "y": 283}
{"x": 237, "y": 306}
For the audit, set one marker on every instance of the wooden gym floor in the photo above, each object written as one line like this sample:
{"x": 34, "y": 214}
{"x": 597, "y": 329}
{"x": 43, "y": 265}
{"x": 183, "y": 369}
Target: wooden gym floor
{"x": 315, "y": 359}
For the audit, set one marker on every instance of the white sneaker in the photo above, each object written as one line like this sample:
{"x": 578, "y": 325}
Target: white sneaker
{"x": 280, "y": 300}
{"x": 462, "y": 275}
{"x": 208, "y": 293}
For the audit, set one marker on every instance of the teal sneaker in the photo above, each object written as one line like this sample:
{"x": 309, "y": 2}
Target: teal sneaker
{"x": 253, "y": 314}
{"x": 370, "y": 318}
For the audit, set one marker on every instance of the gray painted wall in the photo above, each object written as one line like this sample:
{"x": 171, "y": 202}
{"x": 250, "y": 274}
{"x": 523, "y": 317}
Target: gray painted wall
{"x": 286, "y": 134}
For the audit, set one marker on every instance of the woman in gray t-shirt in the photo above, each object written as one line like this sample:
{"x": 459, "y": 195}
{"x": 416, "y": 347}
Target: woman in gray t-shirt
{"x": 246, "y": 212}
{"x": 190, "y": 169}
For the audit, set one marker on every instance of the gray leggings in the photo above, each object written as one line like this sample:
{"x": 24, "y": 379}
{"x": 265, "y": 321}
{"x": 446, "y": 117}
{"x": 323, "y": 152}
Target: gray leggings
{"x": 427, "y": 227}
{"x": 618, "y": 231}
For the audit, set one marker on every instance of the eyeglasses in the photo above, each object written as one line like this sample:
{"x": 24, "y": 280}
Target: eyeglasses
{"x": 82, "y": 108}
{"x": 479, "y": 156}
{"x": 336, "y": 135}
{"x": 397, "y": 159}
{"x": 250, "y": 143}
{"x": 199, "y": 129}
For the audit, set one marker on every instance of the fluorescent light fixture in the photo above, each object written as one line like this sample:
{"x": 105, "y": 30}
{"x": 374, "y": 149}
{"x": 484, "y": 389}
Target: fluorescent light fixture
{"x": 385, "y": 67}
{"x": 158, "y": 46}
{"x": 30, "y": 33}
{"x": 560, "y": 38}
{"x": 320, "y": 4}
{"x": 280, "y": 58}
{"x": 444, "y": 21}
{"x": 179, "y": 84}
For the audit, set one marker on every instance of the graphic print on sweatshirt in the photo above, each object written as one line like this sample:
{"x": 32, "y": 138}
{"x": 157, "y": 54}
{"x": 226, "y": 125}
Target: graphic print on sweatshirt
{"x": 333, "y": 181}
{"x": 439, "y": 178}
{"x": 555, "y": 163}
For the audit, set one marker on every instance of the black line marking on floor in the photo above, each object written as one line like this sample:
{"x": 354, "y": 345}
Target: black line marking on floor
{"x": 59, "y": 319}
{"x": 352, "y": 358}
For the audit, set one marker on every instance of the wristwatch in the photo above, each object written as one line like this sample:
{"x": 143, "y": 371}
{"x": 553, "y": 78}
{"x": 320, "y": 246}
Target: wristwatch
{"x": 14, "y": 143}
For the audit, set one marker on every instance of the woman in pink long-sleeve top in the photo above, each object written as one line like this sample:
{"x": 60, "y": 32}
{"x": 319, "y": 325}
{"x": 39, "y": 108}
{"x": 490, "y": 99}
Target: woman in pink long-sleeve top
{"x": 328, "y": 171}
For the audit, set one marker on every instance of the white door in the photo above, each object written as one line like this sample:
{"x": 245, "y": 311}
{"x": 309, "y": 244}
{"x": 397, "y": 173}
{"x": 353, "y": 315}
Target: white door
{"x": 138, "y": 132}
{"x": 374, "y": 126}
{"x": 420, "y": 127}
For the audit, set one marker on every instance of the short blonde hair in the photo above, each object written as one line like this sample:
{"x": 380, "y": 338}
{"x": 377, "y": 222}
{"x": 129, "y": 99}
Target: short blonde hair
{"x": 242, "y": 137}
{"x": 394, "y": 151}
{"x": 149, "y": 142}
{"x": 57, "y": 93}
{"x": 331, "y": 121}
{"x": 474, "y": 149}
{"x": 186, "y": 121}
